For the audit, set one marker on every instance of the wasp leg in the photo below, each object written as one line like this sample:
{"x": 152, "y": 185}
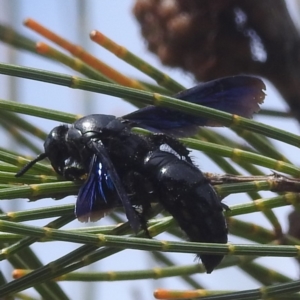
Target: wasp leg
{"x": 179, "y": 148}
{"x": 139, "y": 191}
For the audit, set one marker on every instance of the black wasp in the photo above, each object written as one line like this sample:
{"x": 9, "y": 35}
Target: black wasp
{"x": 125, "y": 168}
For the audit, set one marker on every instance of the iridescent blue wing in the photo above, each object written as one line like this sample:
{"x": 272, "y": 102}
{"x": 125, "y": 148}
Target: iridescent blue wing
{"x": 103, "y": 190}
{"x": 240, "y": 95}
{"x": 97, "y": 196}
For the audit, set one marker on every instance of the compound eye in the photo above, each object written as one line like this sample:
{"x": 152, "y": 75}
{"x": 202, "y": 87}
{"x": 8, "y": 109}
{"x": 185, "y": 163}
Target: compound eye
{"x": 56, "y": 138}
{"x": 56, "y": 147}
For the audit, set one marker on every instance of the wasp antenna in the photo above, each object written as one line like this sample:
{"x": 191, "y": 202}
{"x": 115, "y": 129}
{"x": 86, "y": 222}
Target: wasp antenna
{"x": 30, "y": 164}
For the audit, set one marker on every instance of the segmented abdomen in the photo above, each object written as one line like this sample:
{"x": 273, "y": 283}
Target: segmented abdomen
{"x": 187, "y": 195}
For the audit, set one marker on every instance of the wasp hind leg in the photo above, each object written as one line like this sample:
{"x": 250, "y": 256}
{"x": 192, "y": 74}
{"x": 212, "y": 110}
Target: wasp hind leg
{"x": 140, "y": 195}
{"x": 174, "y": 144}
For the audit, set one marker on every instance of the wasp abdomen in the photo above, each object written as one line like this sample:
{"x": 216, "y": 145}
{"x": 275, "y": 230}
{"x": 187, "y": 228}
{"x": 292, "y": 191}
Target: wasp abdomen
{"x": 187, "y": 195}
